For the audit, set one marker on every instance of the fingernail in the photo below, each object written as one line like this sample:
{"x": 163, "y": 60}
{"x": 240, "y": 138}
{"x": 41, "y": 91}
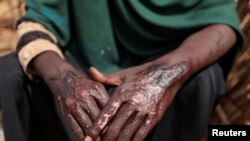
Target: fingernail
{"x": 88, "y": 138}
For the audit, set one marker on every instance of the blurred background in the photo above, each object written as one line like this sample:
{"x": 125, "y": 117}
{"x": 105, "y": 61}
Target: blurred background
{"x": 233, "y": 108}
{"x": 10, "y": 10}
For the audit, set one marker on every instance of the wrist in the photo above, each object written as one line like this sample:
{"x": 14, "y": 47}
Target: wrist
{"x": 173, "y": 59}
{"x": 48, "y": 64}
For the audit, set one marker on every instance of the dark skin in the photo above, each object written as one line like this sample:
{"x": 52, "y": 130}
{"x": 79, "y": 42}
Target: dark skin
{"x": 144, "y": 92}
{"x": 145, "y": 102}
{"x": 140, "y": 101}
{"x": 79, "y": 97}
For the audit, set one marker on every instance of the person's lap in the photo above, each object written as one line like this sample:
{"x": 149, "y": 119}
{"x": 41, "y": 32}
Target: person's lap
{"x": 29, "y": 112}
{"x": 27, "y": 107}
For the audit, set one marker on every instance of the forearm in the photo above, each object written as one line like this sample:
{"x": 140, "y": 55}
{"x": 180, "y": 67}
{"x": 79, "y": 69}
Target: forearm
{"x": 201, "y": 48}
{"x": 38, "y": 52}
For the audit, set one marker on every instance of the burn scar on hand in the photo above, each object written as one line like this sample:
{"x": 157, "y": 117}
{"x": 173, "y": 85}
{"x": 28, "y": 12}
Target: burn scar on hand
{"x": 106, "y": 117}
{"x": 146, "y": 89}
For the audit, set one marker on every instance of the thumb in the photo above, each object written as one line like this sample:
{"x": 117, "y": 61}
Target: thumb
{"x": 105, "y": 78}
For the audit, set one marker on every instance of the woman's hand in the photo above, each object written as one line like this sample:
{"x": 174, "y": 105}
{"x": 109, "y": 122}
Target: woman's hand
{"x": 79, "y": 97}
{"x": 138, "y": 103}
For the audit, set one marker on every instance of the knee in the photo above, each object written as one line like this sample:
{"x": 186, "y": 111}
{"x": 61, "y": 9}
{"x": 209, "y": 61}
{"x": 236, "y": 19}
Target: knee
{"x": 11, "y": 79}
{"x": 10, "y": 71}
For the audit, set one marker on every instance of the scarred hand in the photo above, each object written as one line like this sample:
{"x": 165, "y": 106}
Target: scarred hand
{"x": 138, "y": 103}
{"x": 79, "y": 98}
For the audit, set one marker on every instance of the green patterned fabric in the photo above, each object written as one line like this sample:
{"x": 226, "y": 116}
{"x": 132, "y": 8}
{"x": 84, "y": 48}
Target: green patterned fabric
{"x": 105, "y": 34}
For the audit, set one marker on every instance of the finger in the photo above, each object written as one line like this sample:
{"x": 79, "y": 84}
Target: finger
{"x": 104, "y": 130}
{"x": 104, "y": 78}
{"x": 82, "y": 118}
{"x": 144, "y": 129}
{"x": 91, "y": 108}
{"x": 104, "y": 118}
{"x": 100, "y": 95}
{"x": 130, "y": 129}
{"x": 98, "y": 138}
{"x": 119, "y": 121}
{"x": 78, "y": 132}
